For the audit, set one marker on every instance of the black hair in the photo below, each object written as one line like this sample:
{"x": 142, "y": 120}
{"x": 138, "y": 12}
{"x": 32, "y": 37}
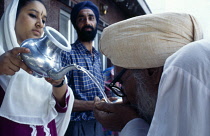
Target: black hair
{"x": 23, "y": 3}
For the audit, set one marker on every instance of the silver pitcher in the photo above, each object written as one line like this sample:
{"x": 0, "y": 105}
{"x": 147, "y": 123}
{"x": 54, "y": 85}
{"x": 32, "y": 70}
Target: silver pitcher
{"x": 44, "y": 57}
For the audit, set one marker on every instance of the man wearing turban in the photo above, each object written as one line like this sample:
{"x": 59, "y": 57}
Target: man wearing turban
{"x": 163, "y": 64}
{"x": 84, "y": 17}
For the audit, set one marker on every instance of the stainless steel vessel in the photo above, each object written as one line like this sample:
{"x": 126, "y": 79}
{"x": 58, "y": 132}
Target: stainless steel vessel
{"x": 44, "y": 57}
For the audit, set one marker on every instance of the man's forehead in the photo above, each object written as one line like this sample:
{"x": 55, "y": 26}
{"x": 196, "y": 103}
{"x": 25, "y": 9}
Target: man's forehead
{"x": 86, "y": 12}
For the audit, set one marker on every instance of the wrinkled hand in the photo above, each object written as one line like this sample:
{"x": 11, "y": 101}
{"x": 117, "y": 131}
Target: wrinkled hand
{"x": 113, "y": 116}
{"x": 10, "y": 61}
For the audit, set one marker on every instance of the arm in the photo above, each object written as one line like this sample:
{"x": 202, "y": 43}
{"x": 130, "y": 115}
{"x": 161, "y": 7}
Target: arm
{"x": 80, "y": 105}
{"x": 58, "y": 92}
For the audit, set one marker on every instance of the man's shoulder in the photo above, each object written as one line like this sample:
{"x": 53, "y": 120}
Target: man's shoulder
{"x": 191, "y": 53}
{"x": 73, "y": 45}
{"x": 193, "y": 58}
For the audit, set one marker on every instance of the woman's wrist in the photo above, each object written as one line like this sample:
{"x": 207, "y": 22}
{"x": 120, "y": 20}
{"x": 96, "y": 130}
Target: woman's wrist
{"x": 61, "y": 84}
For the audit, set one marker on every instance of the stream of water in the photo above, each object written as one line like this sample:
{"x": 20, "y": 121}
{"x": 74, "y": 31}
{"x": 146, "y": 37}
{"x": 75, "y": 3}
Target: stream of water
{"x": 95, "y": 81}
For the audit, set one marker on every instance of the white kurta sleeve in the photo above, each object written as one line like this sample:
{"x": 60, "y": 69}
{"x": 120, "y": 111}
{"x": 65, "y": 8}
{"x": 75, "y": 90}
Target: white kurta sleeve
{"x": 135, "y": 127}
{"x": 181, "y": 108}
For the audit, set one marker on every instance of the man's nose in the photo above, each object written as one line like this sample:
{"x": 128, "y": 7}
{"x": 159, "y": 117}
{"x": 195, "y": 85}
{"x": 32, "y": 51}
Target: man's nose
{"x": 87, "y": 21}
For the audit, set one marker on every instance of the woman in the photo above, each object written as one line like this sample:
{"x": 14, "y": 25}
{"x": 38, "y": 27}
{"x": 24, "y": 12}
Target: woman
{"x": 28, "y": 105}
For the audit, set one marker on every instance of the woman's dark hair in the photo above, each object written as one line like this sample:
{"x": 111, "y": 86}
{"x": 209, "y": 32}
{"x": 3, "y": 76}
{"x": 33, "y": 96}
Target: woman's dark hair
{"x": 23, "y": 3}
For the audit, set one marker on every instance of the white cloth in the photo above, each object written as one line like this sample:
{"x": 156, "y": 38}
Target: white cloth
{"x": 182, "y": 107}
{"x": 135, "y": 127}
{"x": 27, "y": 100}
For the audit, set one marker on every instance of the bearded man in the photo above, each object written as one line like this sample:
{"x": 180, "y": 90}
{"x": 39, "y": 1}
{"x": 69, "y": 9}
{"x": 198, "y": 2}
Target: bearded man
{"x": 84, "y": 17}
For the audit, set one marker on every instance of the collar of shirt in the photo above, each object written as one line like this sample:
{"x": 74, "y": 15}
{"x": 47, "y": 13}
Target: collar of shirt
{"x": 84, "y": 50}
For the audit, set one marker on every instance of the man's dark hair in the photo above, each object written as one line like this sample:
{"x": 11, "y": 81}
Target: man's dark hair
{"x": 23, "y": 3}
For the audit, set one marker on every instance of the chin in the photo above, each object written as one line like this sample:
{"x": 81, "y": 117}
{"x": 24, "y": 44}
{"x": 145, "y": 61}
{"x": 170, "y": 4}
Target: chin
{"x": 35, "y": 36}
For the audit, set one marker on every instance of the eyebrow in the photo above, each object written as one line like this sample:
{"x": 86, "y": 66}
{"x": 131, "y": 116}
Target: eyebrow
{"x": 37, "y": 12}
{"x": 81, "y": 15}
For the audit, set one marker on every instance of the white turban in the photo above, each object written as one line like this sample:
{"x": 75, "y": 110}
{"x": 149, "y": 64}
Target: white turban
{"x": 147, "y": 41}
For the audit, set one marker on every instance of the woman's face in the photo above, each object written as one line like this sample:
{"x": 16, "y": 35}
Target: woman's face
{"x": 30, "y": 21}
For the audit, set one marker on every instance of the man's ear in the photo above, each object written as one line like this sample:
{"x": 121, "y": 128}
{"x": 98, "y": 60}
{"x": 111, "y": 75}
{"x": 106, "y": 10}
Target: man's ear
{"x": 155, "y": 74}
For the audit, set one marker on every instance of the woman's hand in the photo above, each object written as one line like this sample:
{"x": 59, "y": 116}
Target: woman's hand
{"x": 10, "y": 61}
{"x": 113, "y": 116}
{"x": 54, "y": 82}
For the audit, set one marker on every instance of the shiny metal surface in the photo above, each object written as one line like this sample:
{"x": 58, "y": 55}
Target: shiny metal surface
{"x": 44, "y": 57}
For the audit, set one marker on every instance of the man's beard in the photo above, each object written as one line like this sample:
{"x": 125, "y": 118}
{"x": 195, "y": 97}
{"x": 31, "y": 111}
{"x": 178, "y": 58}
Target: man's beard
{"x": 145, "y": 101}
{"x": 86, "y": 36}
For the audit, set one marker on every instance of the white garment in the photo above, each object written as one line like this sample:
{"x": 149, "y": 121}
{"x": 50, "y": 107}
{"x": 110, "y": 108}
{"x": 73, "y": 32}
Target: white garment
{"x": 27, "y": 100}
{"x": 135, "y": 127}
{"x": 183, "y": 104}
